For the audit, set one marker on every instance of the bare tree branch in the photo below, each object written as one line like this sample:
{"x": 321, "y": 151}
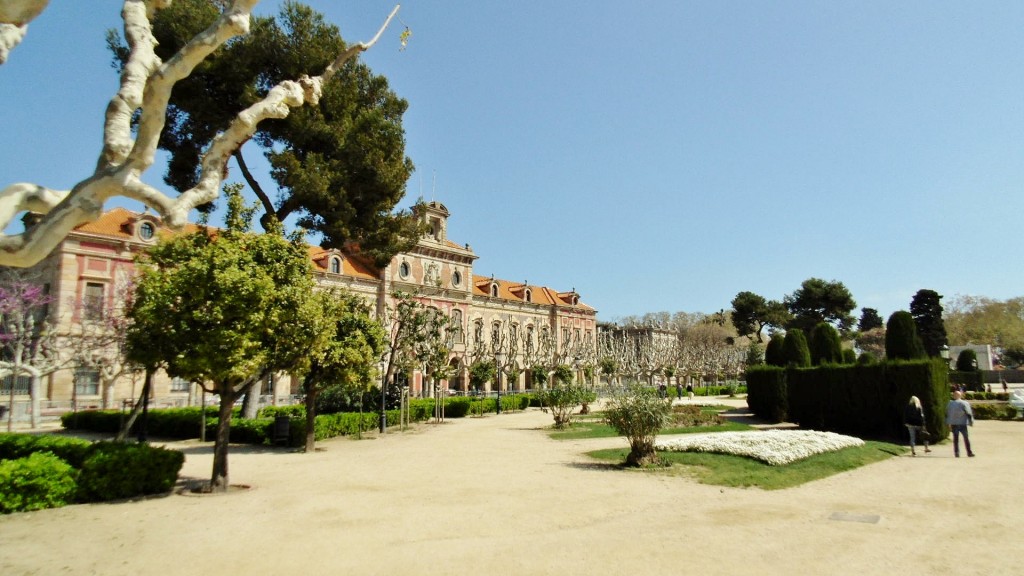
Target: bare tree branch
{"x": 146, "y": 85}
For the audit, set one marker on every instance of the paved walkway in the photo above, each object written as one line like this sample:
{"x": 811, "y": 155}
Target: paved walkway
{"x": 496, "y": 495}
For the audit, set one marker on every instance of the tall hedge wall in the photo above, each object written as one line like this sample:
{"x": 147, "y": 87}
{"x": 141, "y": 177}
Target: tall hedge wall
{"x": 861, "y": 400}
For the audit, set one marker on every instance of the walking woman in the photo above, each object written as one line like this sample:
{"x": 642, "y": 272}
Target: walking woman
{"x": 913, "y": 418}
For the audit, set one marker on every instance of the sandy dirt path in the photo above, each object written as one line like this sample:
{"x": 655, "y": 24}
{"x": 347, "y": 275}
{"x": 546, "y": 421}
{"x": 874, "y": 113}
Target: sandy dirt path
{"x": 495, "y": 495}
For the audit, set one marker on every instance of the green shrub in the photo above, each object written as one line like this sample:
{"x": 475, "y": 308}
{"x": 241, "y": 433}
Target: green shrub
{"x": 901, "y": 339}
{"x": 71, "y": 450}
{"x": 116, "y": 470}
{"x": 994, "y": 411}
{"x": 967, "y": 361}
{"x": 774, "y": 353}
{"x": 691, "y": 416}
{"x": 38, "y": 481}
{"x": 825, "y": 346}
{"x": 638, "y": 414}
{"x": 795, "y": 350}
{"x": 562, "y": 400}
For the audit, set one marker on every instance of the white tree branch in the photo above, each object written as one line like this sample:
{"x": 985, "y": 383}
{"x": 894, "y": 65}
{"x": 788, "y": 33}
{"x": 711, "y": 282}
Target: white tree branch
{"x": 14, "y": 18}
{"x": 146, "y": 85}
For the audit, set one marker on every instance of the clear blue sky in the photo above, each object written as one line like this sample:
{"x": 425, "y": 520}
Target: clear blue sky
{"x": 658, "y": 155}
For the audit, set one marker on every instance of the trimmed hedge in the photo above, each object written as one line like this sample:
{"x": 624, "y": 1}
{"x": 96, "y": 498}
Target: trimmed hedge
{"x": 861, "y": 400}
{"x": 766, "y": 392}
{"x": 49, "y": 471}
{"x": 183, "y": 423}
{"x": 994, "y": 411}
{"x": 71, "y": 450}
{"x": 117, "y": 470}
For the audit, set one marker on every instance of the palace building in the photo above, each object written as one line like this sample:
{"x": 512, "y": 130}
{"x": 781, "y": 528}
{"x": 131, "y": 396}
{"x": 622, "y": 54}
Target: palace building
{"x": 86, "y": 273}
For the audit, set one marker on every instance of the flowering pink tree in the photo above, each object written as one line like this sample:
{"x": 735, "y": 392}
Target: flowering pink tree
{"x": 26, "y": 339}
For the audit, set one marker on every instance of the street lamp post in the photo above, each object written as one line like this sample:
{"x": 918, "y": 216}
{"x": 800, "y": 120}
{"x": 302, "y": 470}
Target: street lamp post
{"x": 499, "y": 359}
{"x": 383, "y": 397}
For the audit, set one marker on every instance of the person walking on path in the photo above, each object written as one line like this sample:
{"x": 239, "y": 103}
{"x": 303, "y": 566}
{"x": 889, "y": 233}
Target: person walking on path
{"x": 913, "y": 419}
{"x": 679, "y": 390}
{"x": 689, "y": 390}
{"x": 959, "y": 416}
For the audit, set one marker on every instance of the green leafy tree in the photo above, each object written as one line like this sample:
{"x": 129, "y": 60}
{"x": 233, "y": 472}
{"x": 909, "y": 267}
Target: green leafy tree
{"x": 563, "y": 374}
{"x": 820, "y": 301}
{"x": 825, "y": 346}
{"x": 482, "y": 372}
{"x": 351, "y": 343}
{"x": 774, "y": 353}
{"x": 901, "y": 339}
{"x": 563, "y": 399}
{"x": 751, "y": 314}
{"x": 926, "y": 308}
{"x": 869, "y": 320}
{"x": 225, "y": 309}
{"x": 339, "y": 165}
{"x": 638, "y": 414}
{"x": 981, "y": 320}
{"x": 967, "y": 361}
{"x": 795, "y": 350}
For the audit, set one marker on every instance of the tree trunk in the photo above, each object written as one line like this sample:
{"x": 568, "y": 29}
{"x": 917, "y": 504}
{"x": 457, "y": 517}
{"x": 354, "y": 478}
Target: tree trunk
{"x": 35, "y": 403}
{"x": 251, "y": 403}
{"x": 311, "y": 392}
{"x": 122, "y": 435}
{"x": 143, "y": 425}
{"x": 219, "y": 478}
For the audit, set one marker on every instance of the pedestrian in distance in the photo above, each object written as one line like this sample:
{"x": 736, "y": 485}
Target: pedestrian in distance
{"x": 913, "y": 419}
{"x": 679, "y": 390}
{"x": 958, "y": 417}
{"x": 689, "y": 390}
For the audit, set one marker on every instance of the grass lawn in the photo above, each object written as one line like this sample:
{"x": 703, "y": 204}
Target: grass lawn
{"x": 743, "y": 472}
{"x": 593, "y": 426}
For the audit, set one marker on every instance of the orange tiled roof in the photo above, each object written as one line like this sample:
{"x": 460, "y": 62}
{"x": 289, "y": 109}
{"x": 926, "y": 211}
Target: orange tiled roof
{"x": 516, "y": 291}
{"x": 114, "y": 223}
{"x": 350, "y": 266}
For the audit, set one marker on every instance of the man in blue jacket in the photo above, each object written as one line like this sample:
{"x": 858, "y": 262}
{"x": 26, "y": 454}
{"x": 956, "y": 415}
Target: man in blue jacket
{"x": 959, "y": 416}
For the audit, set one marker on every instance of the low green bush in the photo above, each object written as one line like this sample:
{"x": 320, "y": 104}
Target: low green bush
{"x": 116, "y": 470}
{"x": 38, "y": 481}
{"x": 994, "y": 411}
{"x": 71, "y": 450}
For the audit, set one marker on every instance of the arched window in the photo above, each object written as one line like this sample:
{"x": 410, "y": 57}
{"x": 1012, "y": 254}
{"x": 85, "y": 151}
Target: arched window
{"x": 335, "y": 265}
{"x": 404, "y": 269}
{"x": 146, "y": 230}
{"x": 528, "y": 295}
{"x": 494, "y": 290}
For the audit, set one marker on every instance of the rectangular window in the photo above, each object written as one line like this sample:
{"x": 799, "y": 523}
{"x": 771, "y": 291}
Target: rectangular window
{"x": 87, "y": 382}
{"x": 93, "y": 301}
{"x": 179, "y": 385}
{"x": 22, "y": 388}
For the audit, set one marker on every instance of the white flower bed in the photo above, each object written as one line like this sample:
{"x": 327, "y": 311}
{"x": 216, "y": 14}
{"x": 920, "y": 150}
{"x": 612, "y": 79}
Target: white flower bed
{"x": 774, "y": 447}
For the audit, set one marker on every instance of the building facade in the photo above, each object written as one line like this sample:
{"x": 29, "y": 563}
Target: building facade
{"x": 529, "y": 325}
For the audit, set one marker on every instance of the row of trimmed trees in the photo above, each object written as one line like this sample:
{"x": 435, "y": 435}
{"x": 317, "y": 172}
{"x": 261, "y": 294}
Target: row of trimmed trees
{"x": 824, "y": 346}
